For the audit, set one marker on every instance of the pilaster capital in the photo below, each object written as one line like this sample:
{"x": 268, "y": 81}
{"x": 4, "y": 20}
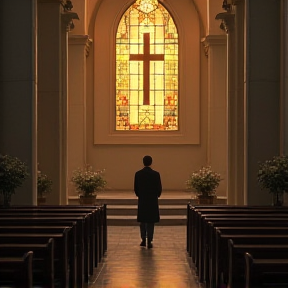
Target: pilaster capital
{"x": 50, "y": 1}
{"x": 236, "y": 2}
{"x": 213, "y": 40}
{"x": 67, "y": 18}
{"x": 83, "y": 40}
{"x": 228, "y": 4}
{"x": 228, "y": 21}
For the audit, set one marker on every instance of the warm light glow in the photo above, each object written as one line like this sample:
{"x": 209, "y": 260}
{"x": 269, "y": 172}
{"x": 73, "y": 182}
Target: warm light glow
{"x": 147, "y": 71}
{"x": 146, "y": 6}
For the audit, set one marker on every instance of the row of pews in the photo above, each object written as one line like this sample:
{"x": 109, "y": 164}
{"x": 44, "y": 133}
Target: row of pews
{"x": 51, "y": 246}
{"x": 238, "y": 246}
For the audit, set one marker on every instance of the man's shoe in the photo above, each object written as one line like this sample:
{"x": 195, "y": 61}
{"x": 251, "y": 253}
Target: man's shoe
{"x": 143, "y": 243}
{"x": 149, "y": 246}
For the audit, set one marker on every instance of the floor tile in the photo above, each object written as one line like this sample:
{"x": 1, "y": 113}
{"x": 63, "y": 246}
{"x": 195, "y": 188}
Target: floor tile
{"x": 127, "y": 265}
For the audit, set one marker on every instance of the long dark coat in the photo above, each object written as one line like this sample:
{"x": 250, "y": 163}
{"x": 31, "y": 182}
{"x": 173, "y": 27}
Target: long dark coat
{"x": 148, "y": 188}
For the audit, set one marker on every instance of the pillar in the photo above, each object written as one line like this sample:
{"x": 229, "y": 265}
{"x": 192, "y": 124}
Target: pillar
{"x": 217, "y": 101}
{"x": 78, "y": 52}
{"x": 18, "y": 78}
{"x": 261, "y": 92}
{"x": 54, "y": 23}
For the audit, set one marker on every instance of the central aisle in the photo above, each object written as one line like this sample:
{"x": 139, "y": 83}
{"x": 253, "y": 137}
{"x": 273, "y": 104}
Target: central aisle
{"x": 127, "y": 265}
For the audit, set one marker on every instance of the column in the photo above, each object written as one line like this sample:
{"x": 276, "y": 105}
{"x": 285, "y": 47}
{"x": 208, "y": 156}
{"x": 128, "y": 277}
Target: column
{"x": 284, "y": 74}
{"x": 217, "y": 102}
{"x": 262, "y": 92}
{"x": 54, "y": 22}
{"x": 78, "y": 53}
{"x": 284, "y": 81}
{"x": 232, "y": 23}
{"x": 18, "y": 82}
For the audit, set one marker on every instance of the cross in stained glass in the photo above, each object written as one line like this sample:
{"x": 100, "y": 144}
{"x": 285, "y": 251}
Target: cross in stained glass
{"x": 146, "y": 57}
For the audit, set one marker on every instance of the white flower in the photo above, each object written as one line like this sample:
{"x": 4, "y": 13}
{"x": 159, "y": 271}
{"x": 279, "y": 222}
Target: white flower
{"x": 204, "y": 181}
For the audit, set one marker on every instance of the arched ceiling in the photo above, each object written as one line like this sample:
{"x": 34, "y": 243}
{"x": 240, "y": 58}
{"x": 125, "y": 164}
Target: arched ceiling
{"x": 207, "y": 10}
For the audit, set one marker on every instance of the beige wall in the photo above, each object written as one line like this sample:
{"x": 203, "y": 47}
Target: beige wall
{"x": 174, "y": 162}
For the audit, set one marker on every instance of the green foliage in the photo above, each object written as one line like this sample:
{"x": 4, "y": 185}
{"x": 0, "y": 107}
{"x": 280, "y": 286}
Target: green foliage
{"x": 13, "y": 173}
{"x": 44, "y": 184}
{"x": 273, "y": 174}
{"x": 204, "y": 181}
{"x": 87, "y": 181}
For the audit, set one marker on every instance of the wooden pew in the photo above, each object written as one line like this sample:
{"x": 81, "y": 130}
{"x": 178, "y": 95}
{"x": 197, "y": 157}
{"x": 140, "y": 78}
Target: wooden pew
{"x": 221, "y": 256}
{"x": 42, "y": 263}
{"x": 222, "y": 246}
{"x": 17, "y": 271}
{"x": 97, "y": 243}
{"x": 197, "y": 212}
{"x": 83, "y": 224}
{"x": 98, "y": 237}
{"x": 75, "y": 253}
{"x": 271, "y": 211}
{"x": 47, "y": 230}
{"x": 194, "y": 212}
{"x": 60, "y": 250}
{"x": 210, "y": 254}
{"x": 201, "y": 225}
{"x": 276, "y": 271}
{"x": 203, "y": 241}
{"x": 237, "y": 259}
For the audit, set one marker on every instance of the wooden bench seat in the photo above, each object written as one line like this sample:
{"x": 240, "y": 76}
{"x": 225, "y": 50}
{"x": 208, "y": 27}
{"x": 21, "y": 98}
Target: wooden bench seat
{"x": 201, "y": 228}
{"x": 52, "y": 219}
{"x": 237, "y": 252}
{"x": 43, "y": 260}
{"x": 60, "y": 250}
{"x": 266, "y": 272}
{"x": 91, "y": 246}
{"x": 222, "y": 250}
{"x": 93, "y": 229}
{"x": 194, "y": 212}
{"x": 99, "y": 222}
{"x": 17, "y": 271}
{"x": 202, "y": 222}
{"x": 203, "y": 239}
{"x": 210, "y": 256}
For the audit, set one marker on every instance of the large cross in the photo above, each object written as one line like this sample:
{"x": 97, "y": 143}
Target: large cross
{"x": 146, "y": 58}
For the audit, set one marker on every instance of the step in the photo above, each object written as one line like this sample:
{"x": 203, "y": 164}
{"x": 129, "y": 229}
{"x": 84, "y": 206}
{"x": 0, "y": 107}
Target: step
{"x": 128, "y": 220}
{"x": 132, "y": 201}
{"x": 132, "y": 209}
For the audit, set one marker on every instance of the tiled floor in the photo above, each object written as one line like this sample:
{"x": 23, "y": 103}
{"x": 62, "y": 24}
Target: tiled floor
{"x": 127, "y": 265}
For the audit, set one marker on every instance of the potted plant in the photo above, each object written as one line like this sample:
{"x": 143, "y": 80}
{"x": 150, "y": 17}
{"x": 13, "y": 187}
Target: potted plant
{"x": 273, "y": 175}
{"x": 13, "y": 173}
{"x": 204, "y": 181}
{"x": 44, "y": 187}
{"x": 88, "y": 182}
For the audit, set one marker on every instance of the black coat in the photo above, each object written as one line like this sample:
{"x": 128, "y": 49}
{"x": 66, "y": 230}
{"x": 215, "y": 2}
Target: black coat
{"x": 148, "y": 188}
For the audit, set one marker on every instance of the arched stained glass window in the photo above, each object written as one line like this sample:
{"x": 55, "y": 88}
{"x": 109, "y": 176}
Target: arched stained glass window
{"x": 146, "y": 71}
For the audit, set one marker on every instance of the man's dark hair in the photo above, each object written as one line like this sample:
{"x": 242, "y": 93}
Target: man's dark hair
{"x": 147, "y": 160}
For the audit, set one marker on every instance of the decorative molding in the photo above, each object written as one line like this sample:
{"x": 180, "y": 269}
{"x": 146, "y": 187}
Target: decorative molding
{"x": 236, "y": 2}
{"x": 67, "y": 18}
{"x": 213, "y": 40}
{"x": 227, "y": 23}
{"x": 50, "y": 1}
{"x": 88, "y": 45}
{"x": 81, "y": 40}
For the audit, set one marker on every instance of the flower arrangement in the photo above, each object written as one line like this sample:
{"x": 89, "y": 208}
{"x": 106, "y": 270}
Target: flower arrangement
{"x": 88, "y": 181}
{"x": 273, "y": 174}
{"x": 44, "y": 184}
{"x": 204, "y": 181}
{"x": 13, "y": 172}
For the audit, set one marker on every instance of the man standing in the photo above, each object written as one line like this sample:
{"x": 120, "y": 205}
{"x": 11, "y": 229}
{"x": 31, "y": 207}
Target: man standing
{"x": 148, "y": 188}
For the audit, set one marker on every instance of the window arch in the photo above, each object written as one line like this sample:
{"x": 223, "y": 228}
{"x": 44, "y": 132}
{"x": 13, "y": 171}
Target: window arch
{"x": 146, "y": 71}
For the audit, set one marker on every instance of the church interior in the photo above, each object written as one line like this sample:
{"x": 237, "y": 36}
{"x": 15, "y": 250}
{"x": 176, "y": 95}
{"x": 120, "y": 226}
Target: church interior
{"x": 193, "y": 83}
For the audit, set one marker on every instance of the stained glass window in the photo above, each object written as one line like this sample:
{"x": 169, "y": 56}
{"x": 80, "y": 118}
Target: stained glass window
{"x": 146, "y": 71}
